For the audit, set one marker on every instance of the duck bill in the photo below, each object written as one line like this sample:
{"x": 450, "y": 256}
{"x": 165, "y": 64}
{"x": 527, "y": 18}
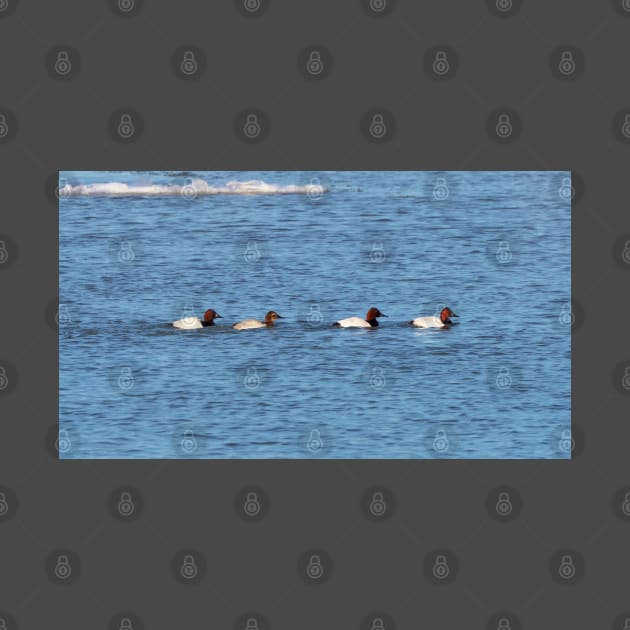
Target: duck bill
{"x": 218, "y": 316}
{"x": 382, "y": 315}
{"x": 454, "y": 315}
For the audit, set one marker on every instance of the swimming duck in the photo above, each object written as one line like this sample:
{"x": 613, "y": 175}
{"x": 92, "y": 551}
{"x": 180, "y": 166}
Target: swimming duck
{"x": 357, "y": 322}
{"x": 270, "y": 317}
{"x": 443, "y": 321}
{"x": 188, "y": 323}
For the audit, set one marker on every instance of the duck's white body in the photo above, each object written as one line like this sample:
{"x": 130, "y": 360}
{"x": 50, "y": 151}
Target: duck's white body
{"x": 188, "y": 323}
{"x": 246, "y": 324}
{"x": 428, "y": 322}
{"x": 353, "y": 322}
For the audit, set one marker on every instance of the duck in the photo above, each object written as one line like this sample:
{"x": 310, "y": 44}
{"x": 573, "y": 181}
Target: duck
{"x": 246, "y": 324}
{"x": 188, "y": 323}
{"x": 443, "y": 321}
{"x": 356, "y": 322}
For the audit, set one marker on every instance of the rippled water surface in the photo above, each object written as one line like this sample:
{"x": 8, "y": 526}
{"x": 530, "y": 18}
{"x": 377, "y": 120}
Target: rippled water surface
{"x": 155, "y": 247}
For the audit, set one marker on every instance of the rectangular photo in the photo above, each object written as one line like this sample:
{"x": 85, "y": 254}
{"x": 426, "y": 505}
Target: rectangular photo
{"x": 315, "y": 315}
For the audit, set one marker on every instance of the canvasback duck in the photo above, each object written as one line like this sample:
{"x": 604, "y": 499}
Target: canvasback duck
{"x": 188, "y": 323}
{"x": 357, "y": 322}
{"x": 443, "y": 321}
{"x": 246, "y": 324}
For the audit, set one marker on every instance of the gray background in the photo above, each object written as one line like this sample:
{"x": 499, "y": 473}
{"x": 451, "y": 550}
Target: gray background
{"x": 125, "y": 566}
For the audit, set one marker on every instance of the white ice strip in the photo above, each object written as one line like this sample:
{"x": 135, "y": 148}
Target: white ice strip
{"x": 189, "y": 189}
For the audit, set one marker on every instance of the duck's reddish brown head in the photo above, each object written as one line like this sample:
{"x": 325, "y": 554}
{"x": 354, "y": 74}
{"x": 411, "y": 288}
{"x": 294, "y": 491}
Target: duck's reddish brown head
{"x": 210, "y": 315}
{"x": 271, "y": 316}
{"x": 446, "y": 314}
{"x": 372, "y": 314}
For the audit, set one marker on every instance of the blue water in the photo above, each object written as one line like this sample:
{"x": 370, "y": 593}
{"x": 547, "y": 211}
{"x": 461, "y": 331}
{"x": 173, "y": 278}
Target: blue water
{"x": 494, "y": 246}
